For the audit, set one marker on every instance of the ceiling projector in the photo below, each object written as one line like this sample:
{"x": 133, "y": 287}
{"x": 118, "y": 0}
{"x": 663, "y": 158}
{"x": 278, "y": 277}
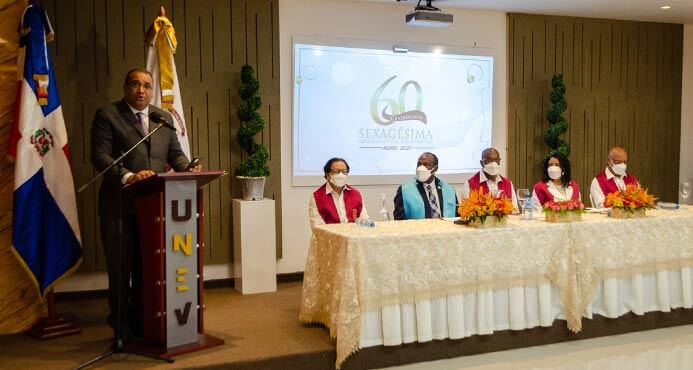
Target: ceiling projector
{"x": 428, "y": 16}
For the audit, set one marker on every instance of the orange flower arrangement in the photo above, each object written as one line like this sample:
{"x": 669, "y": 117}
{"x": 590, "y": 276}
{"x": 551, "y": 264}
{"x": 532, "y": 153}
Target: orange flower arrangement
{"x": 633, "y": 197}
{"x": 480, "y": 205}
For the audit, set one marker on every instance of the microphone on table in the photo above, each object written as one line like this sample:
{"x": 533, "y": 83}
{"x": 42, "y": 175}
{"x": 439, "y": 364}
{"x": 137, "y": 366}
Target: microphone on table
{"x": 159, "y": 118}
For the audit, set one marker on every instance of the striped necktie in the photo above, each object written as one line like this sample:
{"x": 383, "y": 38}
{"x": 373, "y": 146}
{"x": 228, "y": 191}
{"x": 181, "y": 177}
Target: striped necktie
{"x": 143, "y": 123}
{"x": 435, "y": 210}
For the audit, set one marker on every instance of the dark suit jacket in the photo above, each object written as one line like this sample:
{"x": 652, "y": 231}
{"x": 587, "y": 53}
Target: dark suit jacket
{"x": 399, "y": 213}
{"x": 114, "y": 130}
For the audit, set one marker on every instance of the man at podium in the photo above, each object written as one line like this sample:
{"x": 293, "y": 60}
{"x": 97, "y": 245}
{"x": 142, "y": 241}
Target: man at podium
{"x": 115, "y": 129}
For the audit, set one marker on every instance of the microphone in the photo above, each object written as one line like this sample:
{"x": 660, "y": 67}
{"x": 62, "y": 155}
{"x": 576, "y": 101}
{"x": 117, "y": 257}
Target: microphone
{"x": 159, "y": 118}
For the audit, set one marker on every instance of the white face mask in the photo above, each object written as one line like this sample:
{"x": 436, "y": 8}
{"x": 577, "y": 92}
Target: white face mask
{"x": 423, "y": 173}
{"x": 619, "y": 169}
{"x": 555, "y": 172}
{"x": 338, "y": 180}
{"x": 492, "y": 168}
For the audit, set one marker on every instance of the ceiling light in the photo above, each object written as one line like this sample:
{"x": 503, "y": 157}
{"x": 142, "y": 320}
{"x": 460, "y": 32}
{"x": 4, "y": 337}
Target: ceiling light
{"x": 666, "y": 7}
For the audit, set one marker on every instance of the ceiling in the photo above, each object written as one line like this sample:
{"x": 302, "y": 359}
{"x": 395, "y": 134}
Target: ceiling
{"x": 641, "y": 10}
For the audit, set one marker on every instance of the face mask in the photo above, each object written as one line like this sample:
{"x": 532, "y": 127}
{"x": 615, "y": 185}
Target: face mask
{"x": 619, "y": 169}
{"x": 492, "y": 168}
{"x": 555, "y": 172}
{"x": 423, "y": 173}
{"x": 338, "y": 180}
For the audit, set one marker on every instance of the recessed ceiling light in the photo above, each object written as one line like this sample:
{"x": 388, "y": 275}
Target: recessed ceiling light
{"x": 665, "y": 7}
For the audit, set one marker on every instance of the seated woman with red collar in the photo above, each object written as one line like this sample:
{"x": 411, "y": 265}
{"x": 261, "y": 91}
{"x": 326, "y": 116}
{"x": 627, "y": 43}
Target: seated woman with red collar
{"x": 335, "y": 201}
{"x": 555, "y": 184}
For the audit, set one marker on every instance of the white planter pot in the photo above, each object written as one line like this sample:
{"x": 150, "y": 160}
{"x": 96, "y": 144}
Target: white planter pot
{"x": 253, "y": 187}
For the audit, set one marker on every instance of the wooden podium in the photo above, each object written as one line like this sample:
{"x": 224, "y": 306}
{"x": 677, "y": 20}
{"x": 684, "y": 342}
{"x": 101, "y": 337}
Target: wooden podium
{"x": 170, "y": 216}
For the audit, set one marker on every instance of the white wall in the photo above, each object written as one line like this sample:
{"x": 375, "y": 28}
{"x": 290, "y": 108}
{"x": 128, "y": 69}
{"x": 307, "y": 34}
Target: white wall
{"x": 686, "y": 166}
{"x": 381, "y": 22}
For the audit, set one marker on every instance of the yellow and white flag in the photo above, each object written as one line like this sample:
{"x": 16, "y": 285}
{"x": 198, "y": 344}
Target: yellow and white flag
{"x": 161, "y": 41}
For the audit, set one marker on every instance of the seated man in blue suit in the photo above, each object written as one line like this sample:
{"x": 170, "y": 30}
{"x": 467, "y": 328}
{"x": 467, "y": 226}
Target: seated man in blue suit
{"x": 426, "y": 196}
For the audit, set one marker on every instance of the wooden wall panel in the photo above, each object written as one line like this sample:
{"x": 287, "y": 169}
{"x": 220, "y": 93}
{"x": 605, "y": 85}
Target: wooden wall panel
{"x": 623, "y": 86}
{"x": 97, "y": 42}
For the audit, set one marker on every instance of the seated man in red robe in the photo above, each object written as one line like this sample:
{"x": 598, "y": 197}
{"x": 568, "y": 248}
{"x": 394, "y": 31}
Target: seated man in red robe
{"x": 335, "y": 201}
{"x": 614, "y": 177}
{"x": 489, "y": 178}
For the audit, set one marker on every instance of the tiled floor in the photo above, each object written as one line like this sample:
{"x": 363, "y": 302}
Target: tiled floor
{"x": 665, "y": 349}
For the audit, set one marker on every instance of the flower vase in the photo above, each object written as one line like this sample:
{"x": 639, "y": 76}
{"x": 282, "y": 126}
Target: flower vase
{"x": 623, "y": 213}
{"x": 491, "y": 221}
{"x": 562, "y": 217}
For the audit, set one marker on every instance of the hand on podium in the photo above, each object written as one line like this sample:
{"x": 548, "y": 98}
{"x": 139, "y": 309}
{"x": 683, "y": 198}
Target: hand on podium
{"x": 139, "y": 176}
{"x": 195, "y": 165}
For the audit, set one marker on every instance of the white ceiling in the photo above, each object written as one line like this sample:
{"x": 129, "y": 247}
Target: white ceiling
{"x": 641, "y": 10}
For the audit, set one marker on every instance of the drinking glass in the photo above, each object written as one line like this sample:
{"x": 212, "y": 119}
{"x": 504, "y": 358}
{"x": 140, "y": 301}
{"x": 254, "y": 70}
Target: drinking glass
{"x": 522, "y": 195}
{"x": 685, "y": 191}
{"x": 384, "y": 214}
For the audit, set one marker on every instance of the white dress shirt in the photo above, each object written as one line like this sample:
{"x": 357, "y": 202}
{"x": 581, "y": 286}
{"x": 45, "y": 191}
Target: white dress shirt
{"x": 145, "y": 118}
{"x": 338, "y": 198}
{"x": 492, "y": 188}
{"x": 560, "y": 193}
{"x": 597, "y": 197}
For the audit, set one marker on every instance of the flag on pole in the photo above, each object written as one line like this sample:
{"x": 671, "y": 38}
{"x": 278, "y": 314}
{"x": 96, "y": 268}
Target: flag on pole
{"x": 45, "y": 235}
{"x": 161, "y": 41}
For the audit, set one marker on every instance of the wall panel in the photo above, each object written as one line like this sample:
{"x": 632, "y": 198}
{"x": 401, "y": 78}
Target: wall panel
{"x": 623, "y": 86}
{"x": 98, "y": 41}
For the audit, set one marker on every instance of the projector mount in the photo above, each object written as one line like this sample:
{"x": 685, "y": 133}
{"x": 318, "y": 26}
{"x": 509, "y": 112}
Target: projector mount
{"x": 429, "y": 7}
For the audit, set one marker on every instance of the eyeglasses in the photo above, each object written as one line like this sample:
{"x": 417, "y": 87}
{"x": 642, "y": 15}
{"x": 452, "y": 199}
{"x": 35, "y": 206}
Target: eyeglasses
{"x": 335, "y": 172}
{"x": 136, "y": 85}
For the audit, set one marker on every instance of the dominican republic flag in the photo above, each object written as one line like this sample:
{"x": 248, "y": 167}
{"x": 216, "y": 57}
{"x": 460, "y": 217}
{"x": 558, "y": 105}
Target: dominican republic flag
{"x": 45, "y": 235}
{"x": 161, "y": 43}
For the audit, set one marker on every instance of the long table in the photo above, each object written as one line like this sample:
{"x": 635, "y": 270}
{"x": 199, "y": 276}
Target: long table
{"x": 419, "y": 280}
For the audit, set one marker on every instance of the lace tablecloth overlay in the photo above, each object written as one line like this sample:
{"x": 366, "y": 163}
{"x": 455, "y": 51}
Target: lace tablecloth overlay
{"x": 350, "y": 269}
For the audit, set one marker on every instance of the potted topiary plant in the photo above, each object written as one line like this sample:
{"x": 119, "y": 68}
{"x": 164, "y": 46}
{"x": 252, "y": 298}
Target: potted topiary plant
{"x": 253, "y": 171}
{"x": 558, "y": 125}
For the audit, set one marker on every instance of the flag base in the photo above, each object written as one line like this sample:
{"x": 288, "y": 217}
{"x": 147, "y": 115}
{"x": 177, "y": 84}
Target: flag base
{"x": 53, "y": 327}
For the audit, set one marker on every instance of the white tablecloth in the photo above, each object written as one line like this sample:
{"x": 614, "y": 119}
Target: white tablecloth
{"x": 430, "y": 279}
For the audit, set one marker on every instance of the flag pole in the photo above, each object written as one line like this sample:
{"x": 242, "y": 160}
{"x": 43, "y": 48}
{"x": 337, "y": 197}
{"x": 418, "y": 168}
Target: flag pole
{"x": 52, "y": 325}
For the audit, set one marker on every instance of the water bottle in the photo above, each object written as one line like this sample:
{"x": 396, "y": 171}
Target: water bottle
{"x": 365, "y": 222}
{"x": 527, "y": 210}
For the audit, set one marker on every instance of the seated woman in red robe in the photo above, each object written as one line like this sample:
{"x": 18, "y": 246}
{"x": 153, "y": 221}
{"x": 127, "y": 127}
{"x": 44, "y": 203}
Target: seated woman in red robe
{"x": 555, "y": 183}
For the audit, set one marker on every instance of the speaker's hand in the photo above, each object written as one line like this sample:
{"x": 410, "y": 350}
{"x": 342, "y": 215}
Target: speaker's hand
{"x": 140, "y": 176}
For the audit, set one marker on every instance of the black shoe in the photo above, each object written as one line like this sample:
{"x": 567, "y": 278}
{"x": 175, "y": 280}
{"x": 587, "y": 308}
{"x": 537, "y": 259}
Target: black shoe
{"x": 135, "y": 332}
{"x": 117, "y": 345}
{"x": 126, "y": 335}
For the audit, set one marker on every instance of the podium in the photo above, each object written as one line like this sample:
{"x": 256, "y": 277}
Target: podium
{"x": 170, "y": 215}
